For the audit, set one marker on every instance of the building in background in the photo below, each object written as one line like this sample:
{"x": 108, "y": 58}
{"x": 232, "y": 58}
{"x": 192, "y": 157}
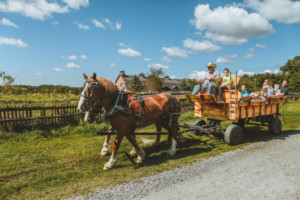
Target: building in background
{"x": 123, "y": 81}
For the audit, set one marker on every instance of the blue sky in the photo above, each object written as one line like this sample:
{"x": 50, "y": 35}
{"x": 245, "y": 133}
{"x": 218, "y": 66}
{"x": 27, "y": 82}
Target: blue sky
{"x": 54, "y": 42}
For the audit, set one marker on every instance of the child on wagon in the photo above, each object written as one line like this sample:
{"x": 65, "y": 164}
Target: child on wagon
{"x": 244, "y": 92}
{"x": 225, "y": 84}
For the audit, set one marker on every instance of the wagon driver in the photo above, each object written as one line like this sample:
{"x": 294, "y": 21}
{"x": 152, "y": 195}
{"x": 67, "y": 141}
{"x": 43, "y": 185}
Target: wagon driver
{"x": 210, "y": 81}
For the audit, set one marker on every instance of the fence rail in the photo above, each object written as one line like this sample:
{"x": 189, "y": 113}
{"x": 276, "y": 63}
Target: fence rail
{"x": 11, "y": 117}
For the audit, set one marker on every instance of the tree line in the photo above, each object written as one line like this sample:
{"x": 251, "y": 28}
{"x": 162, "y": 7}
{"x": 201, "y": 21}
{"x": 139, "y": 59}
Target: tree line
{"x": 154, "y": 81}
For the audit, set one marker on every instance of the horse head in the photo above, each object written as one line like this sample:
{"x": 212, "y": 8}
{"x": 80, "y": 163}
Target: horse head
{"x": 95, "y": 91}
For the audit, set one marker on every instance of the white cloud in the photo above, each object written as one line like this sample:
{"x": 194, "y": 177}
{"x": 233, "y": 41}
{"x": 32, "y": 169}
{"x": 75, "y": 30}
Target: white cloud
{"x": 73, "y": 65}
{"x": 58, "y": 69}
{"x": 225, "y": 39}
{"x": 55, "y": 22}
{"x": 175, "y": 52}
{"x": 72, "y": 57}
{"x": 75, "y": 4}
{"x": 112, "y": 65}
{"x": 223, "y": 60}
{"x": 107, "y": 21}
{"x": 248, "y": 56}
{"x": 232, "y": 56}
{"x": 81, "y": 26}
{"x": 158, "y": 66}
{"x": 251, "y": 49}
{"x": 147, "y": 59}
{"x": 98, "y": 24}
{"x": 36, "y": 9}
{"x": 129, "y": 52}
{"x": 260, "y": 46}
{"x": 230, "y": 24}
{"x": 39, "y": 74}
{"x": 285, "y": 11}
{"x": 122, "y": 45}
{"x": 205, "y": 45}
{"x": 241, "y": 73}
{"x": 84, "y": 57}
{"x": 166, "y": 59}
{"x": 198, "y": 75}
{"x": 172, "y": 77}
{"x": 7, "y": 22}
{"x": 12, "y": 41}
{"x": 118, "y": 25}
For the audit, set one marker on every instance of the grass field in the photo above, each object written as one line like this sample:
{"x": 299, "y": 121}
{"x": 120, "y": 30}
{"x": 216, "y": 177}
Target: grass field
{"x": 66, "y": 162}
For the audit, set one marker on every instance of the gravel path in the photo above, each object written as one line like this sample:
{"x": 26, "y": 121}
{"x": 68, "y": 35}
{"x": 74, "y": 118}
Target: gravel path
{"x": 264, "y": 170}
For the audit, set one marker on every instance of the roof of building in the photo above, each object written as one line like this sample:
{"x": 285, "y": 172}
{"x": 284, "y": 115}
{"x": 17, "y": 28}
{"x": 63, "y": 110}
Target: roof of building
{"x": 167, "y": 82}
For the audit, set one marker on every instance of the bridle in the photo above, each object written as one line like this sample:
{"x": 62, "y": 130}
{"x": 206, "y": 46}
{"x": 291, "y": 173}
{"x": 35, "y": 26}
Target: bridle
{"x": 89, "y": 104}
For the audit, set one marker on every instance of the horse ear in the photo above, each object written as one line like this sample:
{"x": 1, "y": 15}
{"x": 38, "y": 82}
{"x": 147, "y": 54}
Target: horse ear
{"x": 85, "y": 76}
{"x": 94, "y": 76}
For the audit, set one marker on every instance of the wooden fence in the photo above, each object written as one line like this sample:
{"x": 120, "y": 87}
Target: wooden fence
{"x": 28, "y": 116}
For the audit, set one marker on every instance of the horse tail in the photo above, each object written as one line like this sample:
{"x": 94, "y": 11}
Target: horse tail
{"x": 179, "y": 105}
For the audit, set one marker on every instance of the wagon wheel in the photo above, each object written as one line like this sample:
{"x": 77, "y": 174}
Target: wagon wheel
{"x": 198, "y": 122}
{"x": 274, "y": 126}
{"x": 240, "y": 123}
{"x": 233, "y": 134}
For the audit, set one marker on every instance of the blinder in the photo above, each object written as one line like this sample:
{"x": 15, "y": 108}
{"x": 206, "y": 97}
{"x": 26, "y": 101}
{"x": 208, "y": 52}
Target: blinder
{"x": 89, "y": 104}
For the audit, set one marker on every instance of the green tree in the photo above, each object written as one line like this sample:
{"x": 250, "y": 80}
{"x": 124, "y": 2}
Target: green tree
{"x": 184, "y": 86}
{"x": 7, "y": 80}
{"x": 136, "y": 84}
{"x": 248, "y": 82}
{"x": 291, "y": 70}
{"x": 154, "y": 81}
{"x": 192, "y": 83}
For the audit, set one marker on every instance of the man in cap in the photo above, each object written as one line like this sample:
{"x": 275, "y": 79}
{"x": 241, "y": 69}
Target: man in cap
{"x": 210, "y": 80}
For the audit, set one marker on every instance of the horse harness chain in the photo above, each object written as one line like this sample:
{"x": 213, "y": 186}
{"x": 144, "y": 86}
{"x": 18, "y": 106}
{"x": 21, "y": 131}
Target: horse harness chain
{"x": 117, "y": 107}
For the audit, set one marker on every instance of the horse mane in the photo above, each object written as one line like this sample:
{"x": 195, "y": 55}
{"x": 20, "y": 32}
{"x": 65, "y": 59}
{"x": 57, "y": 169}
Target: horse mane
{"x": 108, "y": 85}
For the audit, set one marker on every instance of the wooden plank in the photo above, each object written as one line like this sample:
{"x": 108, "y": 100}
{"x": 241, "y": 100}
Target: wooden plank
{"x": 256, "y": 110}
{"x": 250, "y": 111}
{"x": 263, "y": 110}
{"x": 243, "y": 112}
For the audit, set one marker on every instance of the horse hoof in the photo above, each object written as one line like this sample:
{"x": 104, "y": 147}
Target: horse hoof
{"x": 104, "y": 153}
{"x": 170, "y": 154}
{"x": 133, "y": 152}
{"x": 140, "y": 159}
{"x": 155, "y": 144}
{"x": 108, "y": 166}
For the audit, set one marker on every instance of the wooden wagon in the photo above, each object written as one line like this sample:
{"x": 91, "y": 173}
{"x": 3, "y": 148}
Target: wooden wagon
{"x": 237, "y": 109}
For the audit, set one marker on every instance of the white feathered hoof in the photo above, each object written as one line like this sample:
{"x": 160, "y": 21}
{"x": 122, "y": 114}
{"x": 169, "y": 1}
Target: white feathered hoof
{"x": 108, "y": 166}
{"x": 133, "y": 152}
{"x": 171, "y": 153}
{"x": 104, "y": 151}
{"x": 141, "y": 157}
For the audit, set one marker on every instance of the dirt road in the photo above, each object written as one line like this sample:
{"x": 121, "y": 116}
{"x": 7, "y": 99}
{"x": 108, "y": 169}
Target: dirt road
{"x": 264, "y": 170}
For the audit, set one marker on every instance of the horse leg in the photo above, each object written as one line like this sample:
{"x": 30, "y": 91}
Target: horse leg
{"x": 113, "y": 157}
{"x": 133, "y": 151}
{"x": 106, "y": 144}
{"x": 158, "y": 130}
{"x": 173, "y": 136}
{"x": 141, "y": 153}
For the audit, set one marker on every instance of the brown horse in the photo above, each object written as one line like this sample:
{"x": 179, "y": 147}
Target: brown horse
{"x": 125, "y": 110}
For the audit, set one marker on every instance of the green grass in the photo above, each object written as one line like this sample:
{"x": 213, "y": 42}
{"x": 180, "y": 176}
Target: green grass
{"x": 66, "y": 162}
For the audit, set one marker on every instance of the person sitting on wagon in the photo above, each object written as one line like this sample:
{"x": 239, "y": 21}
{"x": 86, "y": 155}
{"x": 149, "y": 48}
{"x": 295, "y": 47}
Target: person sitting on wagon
{"x": 209, "y": 82}
{"x": 225, "y": 84}
{"x": 270, "y": 90}
{"x": 277, "y": 90}
{"x": 244, "y": 92}
{"x": 284, "y": 88}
